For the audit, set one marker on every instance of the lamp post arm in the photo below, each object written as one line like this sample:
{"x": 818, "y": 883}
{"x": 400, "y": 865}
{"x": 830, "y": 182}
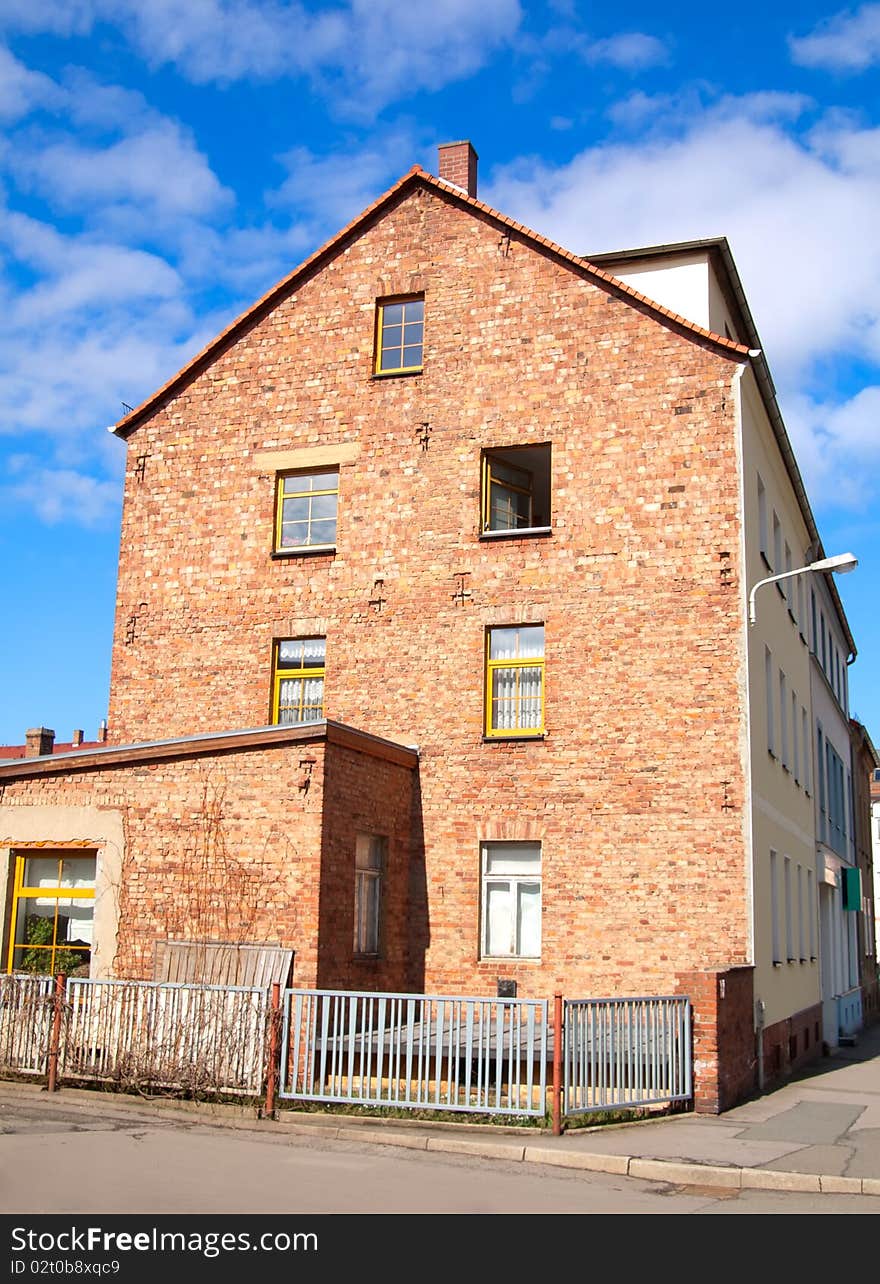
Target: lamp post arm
{"x": 772, "y": 579}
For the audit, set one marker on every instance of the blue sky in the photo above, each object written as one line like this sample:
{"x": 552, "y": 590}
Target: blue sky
{"x": 163, "y": 162}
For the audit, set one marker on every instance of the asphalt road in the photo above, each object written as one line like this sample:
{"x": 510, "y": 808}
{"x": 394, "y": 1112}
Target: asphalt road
{"x": 63, "y": 1157}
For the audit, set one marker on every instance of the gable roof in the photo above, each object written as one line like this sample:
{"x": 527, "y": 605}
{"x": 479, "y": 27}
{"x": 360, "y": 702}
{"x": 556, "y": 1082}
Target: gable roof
{"x": 413, "y": 178}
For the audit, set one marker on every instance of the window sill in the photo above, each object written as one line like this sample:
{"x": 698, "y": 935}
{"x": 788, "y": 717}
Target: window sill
{"x": 525, "y": 532}
{"x": 766, "y": 560}
{"x": 514, "y": 737}
{"x": 366, "y": 958}
{"x": 397, "y": 374}
{"x": 320, "y": 550}
{"x": 495, "y": 959}
{"x": 792, "y": 616}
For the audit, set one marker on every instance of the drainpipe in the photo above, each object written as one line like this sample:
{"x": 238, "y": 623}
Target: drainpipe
{"x": 759, "y": 1036}
{"x": 745, "y": 746}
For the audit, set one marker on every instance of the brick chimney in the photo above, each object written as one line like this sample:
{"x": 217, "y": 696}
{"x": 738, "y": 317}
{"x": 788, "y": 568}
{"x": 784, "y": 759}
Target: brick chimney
{"x": 38, "y": 742}
{"x": 458, "y": 165}
{"x": 77, "y": 739}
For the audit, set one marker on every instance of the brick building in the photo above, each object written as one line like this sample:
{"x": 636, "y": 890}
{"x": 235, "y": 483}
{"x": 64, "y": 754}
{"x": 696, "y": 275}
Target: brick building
{"x": 431, "y": 658}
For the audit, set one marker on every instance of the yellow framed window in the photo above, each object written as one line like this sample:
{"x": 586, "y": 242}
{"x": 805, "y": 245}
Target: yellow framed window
{"x": 400, "y": 329}
{"x": 298, "y": 680}
{"x": 515, "y": 681}
{"x": 515, "y": 490}
{"x": 305, "y": 511}
{"x": 507, "y": 496}
{"x": 53, "y": 907}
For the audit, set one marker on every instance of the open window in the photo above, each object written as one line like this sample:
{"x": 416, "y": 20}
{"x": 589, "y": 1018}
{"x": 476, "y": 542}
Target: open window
{"x": 516, "y": 490}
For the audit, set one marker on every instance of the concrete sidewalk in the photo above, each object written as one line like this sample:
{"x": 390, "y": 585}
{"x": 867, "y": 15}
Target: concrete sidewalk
{"x": 818, "y": 1133}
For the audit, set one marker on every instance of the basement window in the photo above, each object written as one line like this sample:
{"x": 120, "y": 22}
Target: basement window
{"x": 515, "y": 491}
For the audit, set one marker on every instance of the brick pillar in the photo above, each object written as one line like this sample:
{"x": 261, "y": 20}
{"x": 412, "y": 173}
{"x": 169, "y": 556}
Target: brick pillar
{"x": 458, "y": 165}
{"x": 38, "y": 742}
{"x": 725, "y": 1064}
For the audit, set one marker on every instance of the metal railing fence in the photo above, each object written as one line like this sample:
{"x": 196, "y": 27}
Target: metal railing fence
{"x": 626, "y": 1053}
{"x": 201, "y": 1038}
{"x": 26, "y": 1007}
{"x": 411, "y": 1051}
{"x": 430, "y": 1052}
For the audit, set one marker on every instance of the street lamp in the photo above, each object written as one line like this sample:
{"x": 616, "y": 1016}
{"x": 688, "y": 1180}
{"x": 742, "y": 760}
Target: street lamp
{"x": 840, "y": 564}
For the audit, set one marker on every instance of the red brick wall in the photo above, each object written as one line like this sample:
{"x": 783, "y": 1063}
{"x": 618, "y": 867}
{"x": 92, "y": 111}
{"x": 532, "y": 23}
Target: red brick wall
{"x": 725, "y": 1064}
{"x": 637, "y": 788}
{"x": 791, "y": 1043}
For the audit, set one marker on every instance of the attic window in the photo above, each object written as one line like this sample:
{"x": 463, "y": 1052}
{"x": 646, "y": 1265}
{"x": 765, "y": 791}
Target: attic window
{"x": 400, "y": 326}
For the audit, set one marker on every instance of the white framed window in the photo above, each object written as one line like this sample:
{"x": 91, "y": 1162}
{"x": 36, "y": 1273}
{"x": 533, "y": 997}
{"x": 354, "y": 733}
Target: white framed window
{"x": 811, "y": 912}
{"x": 774, "y": 907}
{"x": 783, "y": 718}
{"x": 370, "y": 855}
{"x": 764, "y": 547}
{"x": 511, "y": 900}
{"x": 789, "y": 915}
{"x": 795, "y": 740}
{"x": 768, "y": 700}
{"x": 777, "y": 548}
{"x": 807, "y": 756}
{"x": 868, "y": 914}
{"x": 800, "y": 913}
{"x": 787, "y": 584}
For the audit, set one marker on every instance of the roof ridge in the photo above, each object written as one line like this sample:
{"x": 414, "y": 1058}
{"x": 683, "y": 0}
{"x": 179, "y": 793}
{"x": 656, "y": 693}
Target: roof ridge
{"x": 416, "y": 172}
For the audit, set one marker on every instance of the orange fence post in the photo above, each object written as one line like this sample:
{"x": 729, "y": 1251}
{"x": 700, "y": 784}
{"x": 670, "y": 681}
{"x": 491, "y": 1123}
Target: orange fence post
{"x": 557, "y": 1065}
{"x": 55, "y": 1039}
{"x": 272, "y": 1067}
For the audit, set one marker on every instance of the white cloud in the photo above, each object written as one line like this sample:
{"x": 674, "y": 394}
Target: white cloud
{"x": 630, "y": 51}
{"x": 225, "y": 40}
{"x": 837, "y": 445}
{"x": 331, "y": 190}
{"x": 802, "y": 226}
{"x": 800, "y": 215}
{"x": 61, "y": 17}
{"x": 62, "y": 495}
{"x": 848, "y": 42}
{"x": 79, "y": 273}
{"x": 158, "y": 170}
{"x": 364, "y": 52}
{"x": 21, "y": 90}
